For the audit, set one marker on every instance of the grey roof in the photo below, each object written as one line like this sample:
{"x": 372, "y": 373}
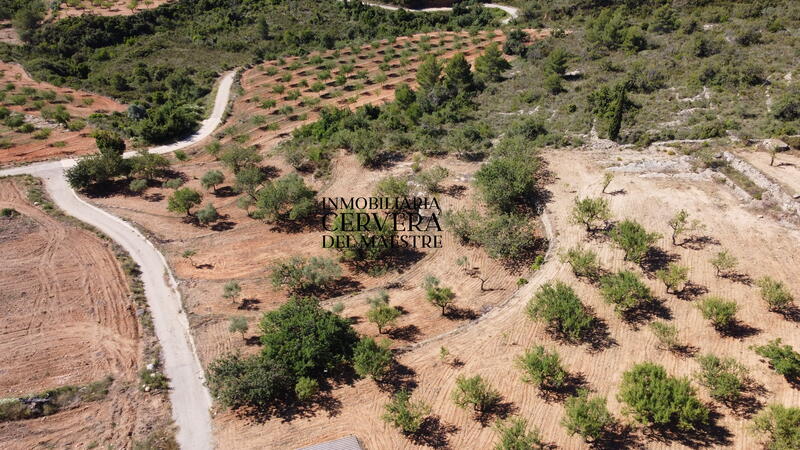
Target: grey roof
{"x": 345, "y": 443}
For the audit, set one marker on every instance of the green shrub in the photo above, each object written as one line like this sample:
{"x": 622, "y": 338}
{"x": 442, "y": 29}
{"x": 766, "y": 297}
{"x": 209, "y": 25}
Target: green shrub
{"x": 654, "y": 398}
{"x": 782, "y": 358}
{"x": 542, "y": 368}
{"x": 624, "y": 290}
{"x": 587, "y": 417}
{"x": 558, "y": 306}
{"x": 724, "y": 377}
{"x": 721, "y": 312}
{"x": 781, "y": 425}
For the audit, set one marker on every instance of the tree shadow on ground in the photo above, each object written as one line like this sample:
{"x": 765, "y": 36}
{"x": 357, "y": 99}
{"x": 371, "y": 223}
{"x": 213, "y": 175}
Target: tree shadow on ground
{"x": 459, "y": 313}
{"x": 153, "y": 198}
{"x": 223, "y": 225}
{"x": 738, "y": 277}
{"x": 455, "y": 191}
{"x": 498, "y": 411}
{"x": 599, "y": 337}
{"x": 343, "y": 286}
{"x": 252, "y": 340}
{"x": 691, "y": 290}
{"x": 434, "y": 433}
{"x": 790, "y": 313}
{"x": 288, "y": 411}
{"x": 738, "y": 330}
{"x": 617, "y": 192}
{"x": 647, "y": 311}
{"x": 398, "y": 377}
{"x": 224, "y": 192}
{"x": 684, "y": 350}
{"x": 698, "y": 242}
{"x": 618, "y": 436}
{"x": 709, "y": 435}
{"x": 657, "y": 259}
{"x": 572, "y": 384}
{"x": 407, "y": 333}
{"x": 249, "y": 304}
{"x": 749, "y": 403}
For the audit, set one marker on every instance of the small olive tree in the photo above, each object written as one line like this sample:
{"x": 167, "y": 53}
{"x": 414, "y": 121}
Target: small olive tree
{"x": 724, "y": 262}
{"x": 542, "y": 368}
{"x": 633, "y": 239}
{"x": 584, "y": 262}
{"x": 681, "y": 225}
{"x": 405, "y": 414}
{"x": 721, "y": 312}
{"x": 725, "y": 378}
{"x": 775, "y": 294}
{"x": 588, "y": 417}
{"x": 674, "y": 277}
{"x": 476, "y": 393}
{"x": 592, "y": 213}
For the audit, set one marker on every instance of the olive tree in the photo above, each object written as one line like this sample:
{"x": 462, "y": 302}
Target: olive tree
{"x": 655, "y": 398}
{"x": 541, "y": 368}
{"x": 774, "y": 293}
{"x": 725, "y": 378}
{"x": 633, "y": 239}
{"x": 587, "y": 417}
{"x": 781, "y": 425}
{"x": 674, "y": 277}
{"x": 559, "y": 306}
{"x": 438, "y": 295}
{"x": 591, "y": 213}
{"x": 721, "y": 312}
{"x": 372, "y": 358}
{"x": 476, "y": 393}
{"x": 681, "y": 225}
{"x": 183, "y": 200}
{"x": 724, "y": 262}
{"x": 666, "y": 333}
{"x": 231, "y": 290}
{"x": 624, "y": 290}
{"x": 207, "y": 214}
{"x": 584, "y": 262}
{"x": 383, "y": 315}
{"x": 404, "y": 413}
{"x": 782, "y": 358}
{"x": 212, "y": 179}
{"x": 238, "y": 325}
{"x": 515, "y": 435}
{"x": 299, "y": 274}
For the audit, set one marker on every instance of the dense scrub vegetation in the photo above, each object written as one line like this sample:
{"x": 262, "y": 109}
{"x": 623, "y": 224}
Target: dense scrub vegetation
{"x": 647, "y": 70}
{"x": 164, "y": 60}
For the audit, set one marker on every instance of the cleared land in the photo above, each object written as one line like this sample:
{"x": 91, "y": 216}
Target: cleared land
{"x": 73, "y": 8}
{"x": 47, "y": 138}
{"x": 67, "y": 319}
{"x": 489, "y": 348}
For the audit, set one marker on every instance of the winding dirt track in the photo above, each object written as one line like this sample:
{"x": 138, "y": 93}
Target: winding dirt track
{"x": 189, "y": 397}
{"x": 513, "y": 13}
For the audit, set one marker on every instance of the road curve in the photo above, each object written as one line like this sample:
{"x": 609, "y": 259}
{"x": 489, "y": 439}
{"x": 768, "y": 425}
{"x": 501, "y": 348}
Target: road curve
{"x": 513, "y": 12}
{"x": 188, "y": 395}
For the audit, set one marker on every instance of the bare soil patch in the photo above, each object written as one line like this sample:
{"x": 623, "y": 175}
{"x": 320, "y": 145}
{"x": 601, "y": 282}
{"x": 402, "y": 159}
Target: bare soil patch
{"x": 66, "y": 318}
{"x": 105, "y": 8}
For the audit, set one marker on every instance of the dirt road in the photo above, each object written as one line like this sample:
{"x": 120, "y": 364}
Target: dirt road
{"x": 189, "y": 397}
{"x": 513, "y": 13}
